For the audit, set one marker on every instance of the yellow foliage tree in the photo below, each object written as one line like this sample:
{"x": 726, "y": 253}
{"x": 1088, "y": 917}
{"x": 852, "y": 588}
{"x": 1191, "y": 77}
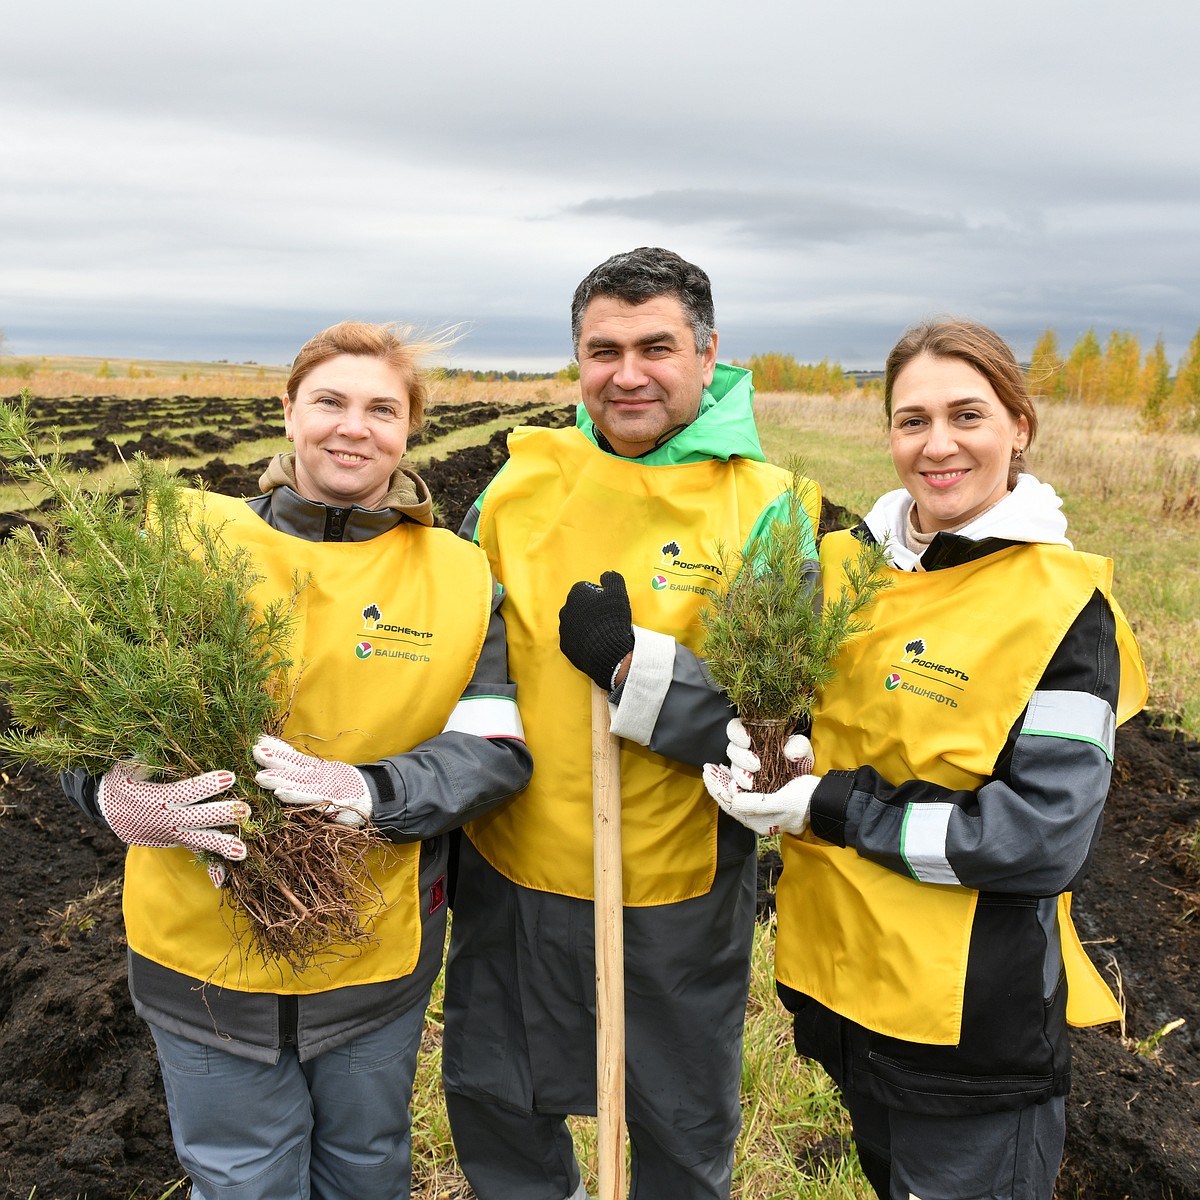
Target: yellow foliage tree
{"x": 1085, "y": 365}
{"x": 782, "y": 373}
{"x": 1185, "y": 398}
{"x": 1155, "y": 388}
{"x": 1045, "y": 377}
{"x": 1121, "y": 374}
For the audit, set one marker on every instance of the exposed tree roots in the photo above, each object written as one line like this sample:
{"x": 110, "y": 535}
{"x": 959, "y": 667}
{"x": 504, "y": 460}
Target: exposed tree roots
{"x": 306, "y": 890}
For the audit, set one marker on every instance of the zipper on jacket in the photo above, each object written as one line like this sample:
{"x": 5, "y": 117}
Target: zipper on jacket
{"x": 335, "y": 524}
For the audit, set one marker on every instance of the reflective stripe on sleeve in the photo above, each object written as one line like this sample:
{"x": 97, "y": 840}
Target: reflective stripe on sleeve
{"x": 1079, "y": 716}
{"x": 487, "y": 717}
{"x": 923, "y": 842}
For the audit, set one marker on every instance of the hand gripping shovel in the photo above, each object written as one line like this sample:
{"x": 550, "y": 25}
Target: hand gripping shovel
{"x": 610, "y": 953}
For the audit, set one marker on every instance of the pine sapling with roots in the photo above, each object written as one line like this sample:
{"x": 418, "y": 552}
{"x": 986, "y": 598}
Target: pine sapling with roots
{"x": 127, "y": 632}
{"x": 770, "y": 643}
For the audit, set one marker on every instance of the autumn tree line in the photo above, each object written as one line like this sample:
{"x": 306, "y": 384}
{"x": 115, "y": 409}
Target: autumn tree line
{"x": 1116, "y": 373}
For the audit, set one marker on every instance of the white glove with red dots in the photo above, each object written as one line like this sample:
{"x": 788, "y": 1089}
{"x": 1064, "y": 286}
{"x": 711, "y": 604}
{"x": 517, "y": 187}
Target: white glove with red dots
{"x": 299, "y": 778}
{"x": 160, "y": 815}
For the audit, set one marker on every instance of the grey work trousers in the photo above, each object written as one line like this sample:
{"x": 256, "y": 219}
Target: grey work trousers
{"x": 1009, "y": 1155}
{"x": 519, "y": 1046}
{"x": 336, "y": 1127}
{"x": 531, "y": 1156}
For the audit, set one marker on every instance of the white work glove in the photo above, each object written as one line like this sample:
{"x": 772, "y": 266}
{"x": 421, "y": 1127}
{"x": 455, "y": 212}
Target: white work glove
{"x": 160, "y": 815}
{"x": 784, "y": 811}
{"x": 744, "y": 763}
{"x": 298, "y": 778}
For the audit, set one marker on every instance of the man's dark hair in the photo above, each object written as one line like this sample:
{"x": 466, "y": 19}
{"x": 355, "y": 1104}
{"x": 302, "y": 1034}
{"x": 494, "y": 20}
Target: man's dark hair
{"x": 642, "y": 274}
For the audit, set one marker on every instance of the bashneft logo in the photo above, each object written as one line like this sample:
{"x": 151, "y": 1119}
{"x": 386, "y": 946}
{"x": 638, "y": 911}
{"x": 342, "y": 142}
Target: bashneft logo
{"x": 365, "y": 650}
{"x": 929, "y": 694}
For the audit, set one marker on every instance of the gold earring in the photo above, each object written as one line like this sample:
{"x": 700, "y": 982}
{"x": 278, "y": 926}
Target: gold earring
{"x": 1018, "y": 454}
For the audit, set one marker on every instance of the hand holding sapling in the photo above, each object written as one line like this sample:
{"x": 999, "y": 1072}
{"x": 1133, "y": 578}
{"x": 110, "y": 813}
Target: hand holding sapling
{"x": 770, "y": 640}
{"x": 298, "y": 778}
{"x": 783, "y": 811}
{"x": 160, "y": 815}
{"x": 744, "y": 763}
{"x": 132, "y": 635}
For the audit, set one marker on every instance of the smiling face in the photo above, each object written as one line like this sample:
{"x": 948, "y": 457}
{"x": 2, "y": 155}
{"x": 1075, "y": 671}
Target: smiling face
{"x": 349, "y": 420}
{"x": 640, "y": 374}
{"x": 952, "y": 440}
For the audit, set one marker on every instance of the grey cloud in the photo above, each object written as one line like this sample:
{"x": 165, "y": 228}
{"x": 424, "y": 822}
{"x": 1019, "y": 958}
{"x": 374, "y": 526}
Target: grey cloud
{"x": 839, "y": 170}
{"x": 773, "y": 217}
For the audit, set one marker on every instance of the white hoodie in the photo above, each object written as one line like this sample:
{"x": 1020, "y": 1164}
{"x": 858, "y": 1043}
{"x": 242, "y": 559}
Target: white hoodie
{"x": 1029, "y": 513}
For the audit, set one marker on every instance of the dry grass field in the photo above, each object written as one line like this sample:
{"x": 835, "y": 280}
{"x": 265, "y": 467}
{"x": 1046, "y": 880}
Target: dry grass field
{"x": 60, "y": 375}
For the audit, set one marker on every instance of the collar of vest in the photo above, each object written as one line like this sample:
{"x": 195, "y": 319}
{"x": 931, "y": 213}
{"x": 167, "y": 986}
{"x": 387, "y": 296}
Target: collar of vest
{"x": 407, "y": 498}
{"x": 285, "y": 509}
{"x": 947, "y": 549}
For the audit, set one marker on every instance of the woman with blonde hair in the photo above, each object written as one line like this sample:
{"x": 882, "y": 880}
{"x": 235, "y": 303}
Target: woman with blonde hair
{"x": 284, "y": 1081}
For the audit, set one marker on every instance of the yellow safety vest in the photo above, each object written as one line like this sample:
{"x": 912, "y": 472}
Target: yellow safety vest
{"x": 386, "y": 638}
{"x": 561, "y": 511}
{"x": 931, "y": 692}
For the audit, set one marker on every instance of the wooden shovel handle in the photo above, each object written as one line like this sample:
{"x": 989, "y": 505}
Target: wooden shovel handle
{"x": 610, "y": 952}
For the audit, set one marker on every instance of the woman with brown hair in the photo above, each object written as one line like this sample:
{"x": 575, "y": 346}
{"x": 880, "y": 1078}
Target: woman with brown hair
{"x": 963, "y": 755}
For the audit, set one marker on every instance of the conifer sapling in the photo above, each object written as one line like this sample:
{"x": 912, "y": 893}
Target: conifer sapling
{"x": 769, "y": 641}
{"x": 130, "y": 635}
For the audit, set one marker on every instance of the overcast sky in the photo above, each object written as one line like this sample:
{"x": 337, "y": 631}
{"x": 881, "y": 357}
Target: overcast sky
{"x": 221, "y": 180}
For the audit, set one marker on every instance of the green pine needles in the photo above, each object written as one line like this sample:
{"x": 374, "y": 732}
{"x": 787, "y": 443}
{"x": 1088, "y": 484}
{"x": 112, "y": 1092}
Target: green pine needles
{"x": 131, "y": 635}
{"x": 769, "y": 641}
{"x": 117, "y": 640}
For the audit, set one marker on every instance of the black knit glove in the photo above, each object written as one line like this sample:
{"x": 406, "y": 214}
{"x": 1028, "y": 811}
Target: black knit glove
{"x": 595, "y": 627}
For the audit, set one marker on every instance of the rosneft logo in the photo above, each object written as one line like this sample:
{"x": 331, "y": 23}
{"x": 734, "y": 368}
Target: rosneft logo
{"x": 373, "y": 622}
{"x": 913, "y": 652}
{"x": 678, "y": 574}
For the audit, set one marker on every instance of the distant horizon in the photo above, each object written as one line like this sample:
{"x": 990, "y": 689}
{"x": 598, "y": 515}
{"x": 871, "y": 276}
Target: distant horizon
{"x": 471, "y": 363}
{"x": 514, "y": 344}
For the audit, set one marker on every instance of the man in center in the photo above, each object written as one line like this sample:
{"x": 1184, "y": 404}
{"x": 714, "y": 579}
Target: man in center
{"x": 607, "y": 539}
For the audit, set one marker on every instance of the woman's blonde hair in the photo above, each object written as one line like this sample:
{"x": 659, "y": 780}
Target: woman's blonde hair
{"x": 395, "y": 344}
